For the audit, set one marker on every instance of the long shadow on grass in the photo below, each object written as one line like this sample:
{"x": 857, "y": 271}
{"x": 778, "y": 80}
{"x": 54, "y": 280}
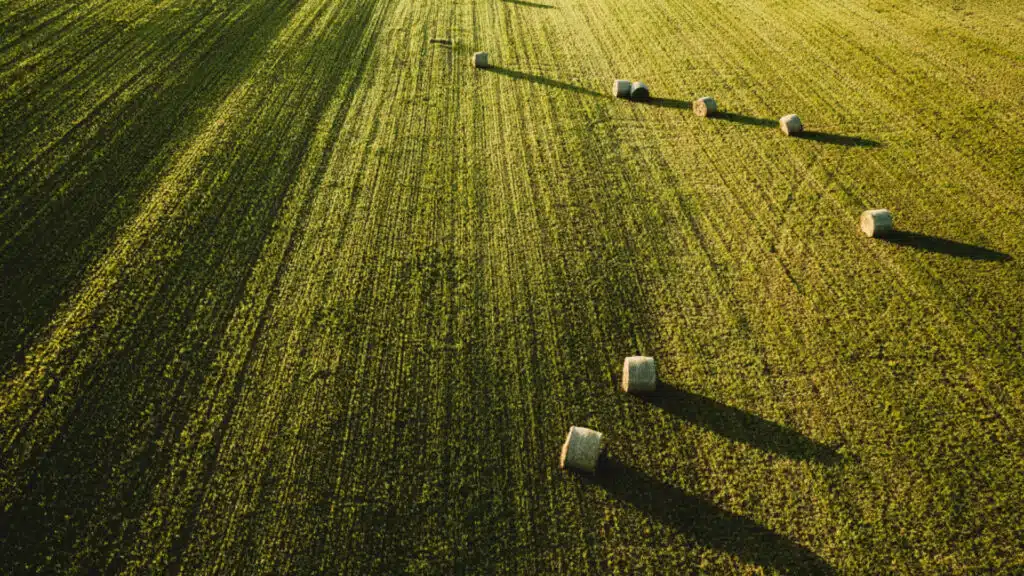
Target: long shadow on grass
{"x": 107, "y": 456}
{"x": 543, "y": 81}
{"x": 704, "y": 522}
{"x": 40, "y": 268}
{"x": 744, "y": 119}
{"x": 945, "y": 246}
{"x": 528, "y": 4}
{"x": 838, "y": 139}
{"x": 668, "y": 103}
{"x": 57, "y": 237}
{"x": 740, "y": 425}
{"x": 727, "y": 116}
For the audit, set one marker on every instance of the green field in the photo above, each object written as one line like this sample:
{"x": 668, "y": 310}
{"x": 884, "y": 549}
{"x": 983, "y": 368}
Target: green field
{"x": 289, "y": 287}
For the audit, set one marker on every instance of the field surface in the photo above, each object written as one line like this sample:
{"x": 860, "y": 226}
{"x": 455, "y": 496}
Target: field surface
{"x": 288, "y": 287}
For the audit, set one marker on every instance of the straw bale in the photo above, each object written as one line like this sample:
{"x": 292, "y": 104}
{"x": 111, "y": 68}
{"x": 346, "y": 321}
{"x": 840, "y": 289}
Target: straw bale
{"x": 639, "y": 91}
{"x": 705, "y": 107}
{"x": 639, "y": 374}
{"x": 875, "y": 223}
{"x": 622, "y": 88}
{"x": 581, "y": 449}
{"x": 790, "y": 124}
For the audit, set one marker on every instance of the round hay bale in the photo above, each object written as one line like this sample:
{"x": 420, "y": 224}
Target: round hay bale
{"x": 639, "y": 91}
{"x": 876, "y": 222}
{"x": 581, "y": 449}
{"x": 480, "y": 60}
{"x": 639, "y": 374}
{"x": 790, "y": 124}
{"x": 622, "y": 88}
{"x": 705, "y": 107}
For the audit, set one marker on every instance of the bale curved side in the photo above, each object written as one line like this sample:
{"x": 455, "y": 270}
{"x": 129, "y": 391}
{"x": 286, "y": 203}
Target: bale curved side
{"x": 791, "y": 124}
{"x": 581, "y": 449}
{"x": 639, "y": 374}
{"x": 639, "y": 91}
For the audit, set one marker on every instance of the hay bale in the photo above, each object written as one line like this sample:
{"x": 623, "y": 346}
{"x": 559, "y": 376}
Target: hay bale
{"x": 480, "y": 60}
{"x": 639, "y": 91}
{"x": 705, "y": 107}
{"x": 791, "y": 124}
{"x": 622, "y": 88}
{"x": 639, "y": 374}
{"x": 581, "y": 449}
{"x": 876, "y": 223}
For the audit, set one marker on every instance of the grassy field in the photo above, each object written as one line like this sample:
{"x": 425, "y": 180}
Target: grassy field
{"x": 287, "y": 288}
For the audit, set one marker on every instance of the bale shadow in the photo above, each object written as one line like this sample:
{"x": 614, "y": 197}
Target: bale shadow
{"x": 704, "y": 522}
{"x": 668, "y": 103}
{"x": 740, "y": 425}
{"x": 945, "y": 246}
{"x": 543, "y": 81}
{"x": 838, "y": 139}
{"x": 528, "y": 4}
{"x": 744, "y": 119}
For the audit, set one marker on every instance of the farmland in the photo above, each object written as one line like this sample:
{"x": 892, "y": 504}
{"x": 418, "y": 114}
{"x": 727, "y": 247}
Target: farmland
{"x": 289, "y": 287}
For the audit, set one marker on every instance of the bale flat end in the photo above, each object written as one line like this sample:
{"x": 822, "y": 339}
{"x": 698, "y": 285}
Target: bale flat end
{"x": 705, "y": 107}
{"x": 876, "y": 223}
{"x": 791, "y": 124}
{"x": 565, "y": 452}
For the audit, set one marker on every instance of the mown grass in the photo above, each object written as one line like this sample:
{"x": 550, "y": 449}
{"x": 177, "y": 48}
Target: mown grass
{"x": 289, "y": 287}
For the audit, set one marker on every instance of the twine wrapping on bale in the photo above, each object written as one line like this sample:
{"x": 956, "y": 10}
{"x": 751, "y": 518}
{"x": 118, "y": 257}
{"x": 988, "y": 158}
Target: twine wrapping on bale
{"x": 705, "y": 107}
{"x": 581, "y": 449}
{"x": 791, "y": 124}
{"x": 639, "y": 91}
{"x": 876, "y": 222}
{"x": 480, "y": 60}
{"x": 622, "y": 88}
{"x": 639, "y": 374}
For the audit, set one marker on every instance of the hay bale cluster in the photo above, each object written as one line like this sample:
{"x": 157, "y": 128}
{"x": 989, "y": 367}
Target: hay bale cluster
{"x": 631, "y": 90}
{"x": 581, "y": 449}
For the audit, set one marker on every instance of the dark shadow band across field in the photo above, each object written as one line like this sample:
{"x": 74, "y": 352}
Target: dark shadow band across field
{"x": 744, "y": 119}
{"x": 740, "y": 425}
{"x": 703, "y": 521}
{"x": 528, "y": 4}
{"x": 945, "y": 246}
{"x": 536, "y": 79}
{"x": 124, "y": 154}
{"x": 838, "y": 139}
{"x": 668, "y": 103}
{"x": 727, "y": 116}
{"x": 814, "y": 136}
{"x": 121, "y": 452}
